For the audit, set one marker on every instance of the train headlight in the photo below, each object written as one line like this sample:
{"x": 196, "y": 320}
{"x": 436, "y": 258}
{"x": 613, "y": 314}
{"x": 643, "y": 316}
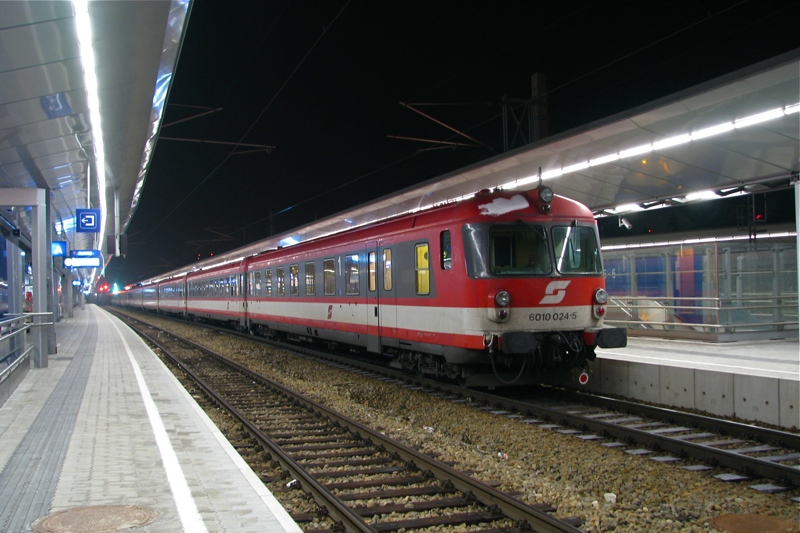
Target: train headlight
{"x": 545, "y": 194}
{"x": 600, "y": 296}
{"x": 545, "y": 197}
{"x": 502, "y": 299}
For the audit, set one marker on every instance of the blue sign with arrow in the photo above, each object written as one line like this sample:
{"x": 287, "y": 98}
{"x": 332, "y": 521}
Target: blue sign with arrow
{"x": 87, "y": 220}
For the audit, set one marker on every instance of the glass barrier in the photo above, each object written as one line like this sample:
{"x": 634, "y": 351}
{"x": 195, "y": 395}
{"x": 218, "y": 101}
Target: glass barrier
{"x": 704, "y": 290}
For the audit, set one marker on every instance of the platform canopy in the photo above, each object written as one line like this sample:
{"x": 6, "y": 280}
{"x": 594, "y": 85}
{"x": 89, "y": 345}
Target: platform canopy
{"x": 737, "y": 134}
{"x": 86, "y": 139}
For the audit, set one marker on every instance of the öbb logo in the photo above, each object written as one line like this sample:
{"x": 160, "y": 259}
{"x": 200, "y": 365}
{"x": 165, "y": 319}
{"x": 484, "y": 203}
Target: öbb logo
{"x": 555, "y": 292}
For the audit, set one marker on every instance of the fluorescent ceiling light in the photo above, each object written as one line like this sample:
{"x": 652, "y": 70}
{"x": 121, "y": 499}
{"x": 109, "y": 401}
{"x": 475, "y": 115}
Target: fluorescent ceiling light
{"x": 776, "y": 235}
{"x": 552, "y": 174}
{"x": 575, "y": 167}
{"x": 627, "y": 208}
{"x": 84, "y": 29}
{"x": 672, "y": 141}
{"x": 602, "y": 160}
{"x": 713, "y": 130}
{"x": 758, "y": 118}
{"x": 630, "y": 152}
{"x": 701, "y": 195}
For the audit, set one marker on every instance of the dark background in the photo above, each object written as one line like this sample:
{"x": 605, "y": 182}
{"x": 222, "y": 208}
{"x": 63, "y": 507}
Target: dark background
{"x": 322, "y": 82}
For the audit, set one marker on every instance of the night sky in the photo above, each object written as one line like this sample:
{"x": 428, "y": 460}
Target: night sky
{"x": 322, "y": 82}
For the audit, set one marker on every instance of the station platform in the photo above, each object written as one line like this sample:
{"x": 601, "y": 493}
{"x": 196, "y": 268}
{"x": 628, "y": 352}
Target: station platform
{"x": 757, "y": 381}
{"x": 106, "y": 435}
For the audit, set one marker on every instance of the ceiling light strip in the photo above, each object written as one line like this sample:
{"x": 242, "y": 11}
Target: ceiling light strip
{"x": 84, "y": 30}
{"x": 699, "y": 240}
{"x": 667, "y": 142}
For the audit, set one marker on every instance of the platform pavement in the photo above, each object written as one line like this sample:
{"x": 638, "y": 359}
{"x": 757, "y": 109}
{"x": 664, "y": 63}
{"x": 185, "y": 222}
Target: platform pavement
{"x": 108, "y": 424}
{"x": 755, "y": 381}
{"x": 766, "y": 358}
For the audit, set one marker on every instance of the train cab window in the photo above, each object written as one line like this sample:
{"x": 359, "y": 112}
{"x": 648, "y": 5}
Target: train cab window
{"x": 294, "y": 280}
{"x": 311, "y": 278}
{"x": 257, "y": 283}
{"x": 576, "y": 249}
{"x": 519, "y": 249}
{"x": 351, "y": 277}
{"x": 329, "y": 276}
{"x": 387, "y": 269}
{"x": 422, "y": 267}
{"x": 373, "y": 272}
{"x": 268, "y": 282}
{"x": 280, "y": 280}
{"x": 447, "y": 250}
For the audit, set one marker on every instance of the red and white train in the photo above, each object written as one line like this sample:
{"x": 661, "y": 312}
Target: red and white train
{"x": 505, "y": 287}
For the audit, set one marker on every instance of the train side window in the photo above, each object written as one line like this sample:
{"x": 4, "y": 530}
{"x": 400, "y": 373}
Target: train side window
{"x": 311, "y": 278}
{"x": 447, "y": 250}
{"x": 351, "y": 280}
{"x": 268, "y": 282}
{"x": 329, "y": 276}
{"x": 387, "y": 269}
{"x": 373, "y": 273}
{"x": 280, "y": 281}
{"x": 422, "y": 267}
{"x": 257, "y": 280}
{"x": 294, "y": 280}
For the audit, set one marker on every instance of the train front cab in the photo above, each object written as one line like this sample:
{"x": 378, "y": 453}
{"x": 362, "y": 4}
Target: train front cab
{"x": 539, "y": 266}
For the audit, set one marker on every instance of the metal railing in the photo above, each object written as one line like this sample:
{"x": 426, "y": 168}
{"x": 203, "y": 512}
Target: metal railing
{"x": 13, "y": 345}
{"x": 706, "y": 318}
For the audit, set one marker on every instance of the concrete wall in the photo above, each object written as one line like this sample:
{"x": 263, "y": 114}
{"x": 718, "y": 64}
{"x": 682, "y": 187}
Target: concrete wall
{"x": 748, "y": 398}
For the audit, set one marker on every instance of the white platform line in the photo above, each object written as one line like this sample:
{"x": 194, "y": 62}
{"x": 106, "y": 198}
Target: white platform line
{"x": 187, "y": 509}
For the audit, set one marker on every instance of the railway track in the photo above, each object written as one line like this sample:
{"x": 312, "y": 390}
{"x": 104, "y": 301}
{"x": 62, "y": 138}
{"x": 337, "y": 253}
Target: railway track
{"x": 692, "y": 441}
{"x": 768, "y": 458}
{"x": 344, "y": 465}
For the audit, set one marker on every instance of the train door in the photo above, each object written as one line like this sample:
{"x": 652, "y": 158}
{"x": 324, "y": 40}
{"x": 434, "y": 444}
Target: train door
{"x": 373, "y": 299}
{"x": 388, "y": 300}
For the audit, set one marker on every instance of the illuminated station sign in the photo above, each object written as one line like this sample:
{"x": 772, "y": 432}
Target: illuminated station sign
{"x": 84, "y": 259}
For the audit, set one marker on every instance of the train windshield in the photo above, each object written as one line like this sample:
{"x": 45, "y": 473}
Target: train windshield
{"x": 519, "y": 249}
{"x": 524, "y": 249}
{"x": 576, "y": 250}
